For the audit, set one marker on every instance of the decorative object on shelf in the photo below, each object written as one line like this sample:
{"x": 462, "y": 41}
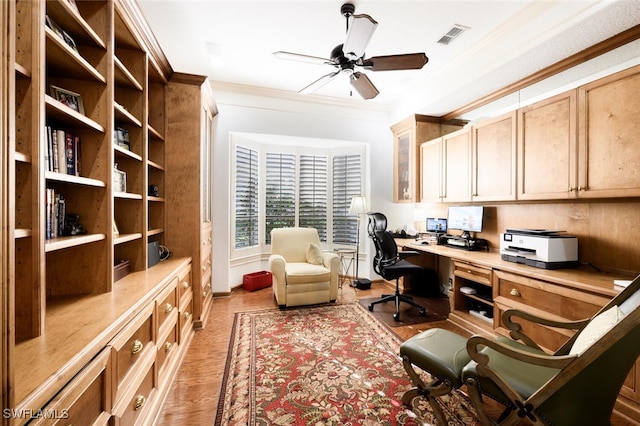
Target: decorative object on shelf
{"x": 359, "y": 207}
{"x": 121, "y": 138}
{"x": 154, "y": 191}
{"x": 72, "y": 225}
{"x": 119, "y": 179}
{"x": 116, "y": 231}
{"x": 71, "y": 99}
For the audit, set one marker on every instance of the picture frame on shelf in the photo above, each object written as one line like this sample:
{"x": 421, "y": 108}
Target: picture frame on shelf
{"x": 70, "y": 41}
{"x": 57, "y": 30}
{"x": 71, "y": 99}
{"x": 116, "y": 231}
{"x": 119, "y": 180}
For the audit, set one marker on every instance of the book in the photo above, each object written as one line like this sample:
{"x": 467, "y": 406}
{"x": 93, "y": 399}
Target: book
{"x": 61, "y": 143}
{"x": 69, "y": 154}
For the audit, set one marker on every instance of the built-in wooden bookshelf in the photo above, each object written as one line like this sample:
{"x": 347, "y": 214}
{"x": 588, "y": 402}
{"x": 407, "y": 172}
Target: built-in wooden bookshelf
{"x": 91, "y": 75}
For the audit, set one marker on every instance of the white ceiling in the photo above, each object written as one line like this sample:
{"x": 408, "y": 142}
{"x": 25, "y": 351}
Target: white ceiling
{"x": 232, "y": 42}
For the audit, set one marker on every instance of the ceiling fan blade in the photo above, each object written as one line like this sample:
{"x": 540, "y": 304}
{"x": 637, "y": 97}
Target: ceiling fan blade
{"x": 358, "y": 36}
{"x": 319, "y": 83}
{"x": 363, "y": 85}
{"x": 302, "y": 58}
{"x": 409, "y": 61}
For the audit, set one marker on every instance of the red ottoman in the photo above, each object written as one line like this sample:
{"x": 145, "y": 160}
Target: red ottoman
{"x": 256, "y": 280}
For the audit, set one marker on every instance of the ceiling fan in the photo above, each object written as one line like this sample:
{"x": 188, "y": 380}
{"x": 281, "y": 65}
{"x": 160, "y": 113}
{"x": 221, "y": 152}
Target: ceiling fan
{"x": 349, "y": 56}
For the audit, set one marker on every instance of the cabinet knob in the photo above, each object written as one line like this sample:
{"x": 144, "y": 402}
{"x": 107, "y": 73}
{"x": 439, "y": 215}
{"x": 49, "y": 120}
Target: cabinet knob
{"x": 139, "y": 402}
{"x": 137, "y": 347}
{"x": 514, "y": 292}
{"x": 168, "y": 346}
{"x": 582, "y": 188}
{"x": 185, "y": 285}
{"x": 168, "y": 308}
{"x": 187, "y": 315}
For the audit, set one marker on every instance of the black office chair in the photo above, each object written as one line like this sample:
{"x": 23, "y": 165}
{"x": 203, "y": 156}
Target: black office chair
{"x": 390, "y": 264}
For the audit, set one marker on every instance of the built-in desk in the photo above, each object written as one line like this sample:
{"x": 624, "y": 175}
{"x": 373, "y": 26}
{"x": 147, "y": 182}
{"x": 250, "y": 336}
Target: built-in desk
{"x": 484, "y": 286}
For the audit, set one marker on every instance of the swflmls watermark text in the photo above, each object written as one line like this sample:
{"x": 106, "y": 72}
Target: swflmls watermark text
{"x": 54, "y": 414}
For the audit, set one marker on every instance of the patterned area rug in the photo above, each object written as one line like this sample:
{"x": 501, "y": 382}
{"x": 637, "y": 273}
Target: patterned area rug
{"x": 328, "y": 365}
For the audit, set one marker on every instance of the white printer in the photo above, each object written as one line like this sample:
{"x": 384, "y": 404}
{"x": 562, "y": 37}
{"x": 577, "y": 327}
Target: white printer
{"x": 541, "y": 248}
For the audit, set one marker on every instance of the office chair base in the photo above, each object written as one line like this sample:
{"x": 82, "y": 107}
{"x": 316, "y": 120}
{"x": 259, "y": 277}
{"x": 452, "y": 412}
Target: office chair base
{"x": 397, "y": 298}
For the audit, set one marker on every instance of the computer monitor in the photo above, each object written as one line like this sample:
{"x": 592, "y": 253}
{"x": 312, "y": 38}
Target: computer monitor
{"x": 466, "y": 219}
{"x": 438, "y": 225}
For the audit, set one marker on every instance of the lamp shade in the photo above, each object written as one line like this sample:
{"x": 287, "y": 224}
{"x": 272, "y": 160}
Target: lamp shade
{"x": 358, "y": 206}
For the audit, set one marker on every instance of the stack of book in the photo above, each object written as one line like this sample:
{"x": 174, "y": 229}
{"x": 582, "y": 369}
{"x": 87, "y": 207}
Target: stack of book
{"x": 63, "y": 152}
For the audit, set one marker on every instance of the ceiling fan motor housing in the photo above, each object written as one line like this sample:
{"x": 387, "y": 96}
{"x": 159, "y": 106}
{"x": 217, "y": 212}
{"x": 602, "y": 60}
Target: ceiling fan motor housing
{"x": 337, "y": 56}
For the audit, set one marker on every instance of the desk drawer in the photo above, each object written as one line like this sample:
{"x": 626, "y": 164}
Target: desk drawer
{"x": 555, "y": 299}
{"x": 166, "y": 349}
{"x": 137, "y": 406}
{"x": 473, "y": 273}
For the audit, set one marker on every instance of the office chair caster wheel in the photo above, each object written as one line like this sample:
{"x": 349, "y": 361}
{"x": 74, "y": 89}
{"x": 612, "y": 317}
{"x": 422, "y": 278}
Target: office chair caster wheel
{"x": 396, "y": 317}
{"x": 423, "y": 312}
{"x": 371, "y": 307}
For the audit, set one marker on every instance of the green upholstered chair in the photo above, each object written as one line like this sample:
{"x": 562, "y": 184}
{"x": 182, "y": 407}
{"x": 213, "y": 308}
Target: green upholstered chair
{"x": 576, "y": 385}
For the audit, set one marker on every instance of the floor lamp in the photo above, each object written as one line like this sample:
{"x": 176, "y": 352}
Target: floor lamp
{"x": 359, "y": 207}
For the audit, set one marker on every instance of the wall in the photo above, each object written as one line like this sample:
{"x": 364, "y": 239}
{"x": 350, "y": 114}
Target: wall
{"x": 269, "y": 115}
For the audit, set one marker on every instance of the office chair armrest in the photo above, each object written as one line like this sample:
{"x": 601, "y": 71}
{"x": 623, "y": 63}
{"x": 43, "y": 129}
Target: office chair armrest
{"x": 516, "y": 332}
{"x": 407, "y": 253}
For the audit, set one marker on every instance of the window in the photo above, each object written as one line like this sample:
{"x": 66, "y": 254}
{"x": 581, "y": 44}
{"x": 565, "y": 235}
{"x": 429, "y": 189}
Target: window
{"x": 280, "y": 192}
{"x": 285, "y": 182}
{"x": 347, "y": 183}
{"x": 313, "y": 194}
{"x": 246, "y": 203}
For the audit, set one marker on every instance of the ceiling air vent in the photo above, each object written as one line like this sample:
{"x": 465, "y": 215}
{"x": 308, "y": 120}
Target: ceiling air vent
{"x": 452, "y": 34}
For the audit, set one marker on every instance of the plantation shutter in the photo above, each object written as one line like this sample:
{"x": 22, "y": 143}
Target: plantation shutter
{"x": 247, "y": 223}
{"x": 280, "y": 192}
{"x": 347, "y": 183}
{"x": 313, "y": 193}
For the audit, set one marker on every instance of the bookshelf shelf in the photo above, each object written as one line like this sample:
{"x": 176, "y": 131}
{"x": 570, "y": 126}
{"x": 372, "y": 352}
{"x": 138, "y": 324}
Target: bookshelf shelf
{"x": 62, "y": 243}
{"x": 65, "y": 114}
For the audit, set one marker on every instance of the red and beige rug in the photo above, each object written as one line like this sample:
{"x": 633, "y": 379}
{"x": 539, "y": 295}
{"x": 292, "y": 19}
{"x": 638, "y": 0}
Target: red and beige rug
{"x": 328, "y": 365}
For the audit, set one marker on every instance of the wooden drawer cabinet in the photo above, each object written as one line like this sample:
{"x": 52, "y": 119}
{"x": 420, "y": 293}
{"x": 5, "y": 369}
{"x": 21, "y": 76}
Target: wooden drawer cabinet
{"x": 544, "y": 299}
{"x": 185, "y": 320}
{"x": 166, "y": 348}
{"x": 135, "y": 406}
{"x": 167, "y": 305}
{"x": 473, "y": 295}
{"x": 131, "y": 347}
{"x": 86, "y": 400}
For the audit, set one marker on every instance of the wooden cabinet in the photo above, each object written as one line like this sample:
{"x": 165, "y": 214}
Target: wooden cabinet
{"x": 608, "y": 129}
{"x": 408, "y": 135}
{"x": 188, "y": 148}
{"x": 446, "y": 168}
{"x": 70, "y": 330}
{"x": 547, "y": 148}
{"x": 472, "y": 304}
{"x": 493, "y": 159}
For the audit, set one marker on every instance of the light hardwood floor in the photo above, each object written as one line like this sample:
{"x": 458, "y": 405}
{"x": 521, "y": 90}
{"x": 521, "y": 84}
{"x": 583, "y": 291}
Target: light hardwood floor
{"x": 193, "y": 398}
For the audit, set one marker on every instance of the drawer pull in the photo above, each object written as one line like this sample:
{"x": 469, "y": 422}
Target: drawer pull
{"x": 137, "y": 347}
{"x": 168, "y": 346}
{"x": 514, "y": 292}
{"x": 168, "y": 308}
{"x": 139, "y": 402}
{"x": 185, "y": 285}
{"x": 187, "y": 315}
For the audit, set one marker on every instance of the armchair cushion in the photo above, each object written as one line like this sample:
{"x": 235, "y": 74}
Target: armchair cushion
{"x": 596, "y": 328}
{"x": 314, "y": 255}
{"x": 302, "y": 272}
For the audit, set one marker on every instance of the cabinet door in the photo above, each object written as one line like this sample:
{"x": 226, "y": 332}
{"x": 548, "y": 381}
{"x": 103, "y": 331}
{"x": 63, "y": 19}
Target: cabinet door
{"x": 431, "y": 171}
{"x": 547, "y": 149}
{"x": 403, "y": 168}
{"x": 494, "y": 159}
{"x": 456, "y": 152}
{"x": 609, "y": 153}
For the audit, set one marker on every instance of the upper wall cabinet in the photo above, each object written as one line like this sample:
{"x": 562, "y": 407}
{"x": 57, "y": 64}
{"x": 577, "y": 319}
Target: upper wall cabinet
{"x": 547, "y": 149}
{"x": 407, "y": 137}
{"x": 608, "y": 129}
{"x": 493, "y": 159}
{"x": 446, "y": 168}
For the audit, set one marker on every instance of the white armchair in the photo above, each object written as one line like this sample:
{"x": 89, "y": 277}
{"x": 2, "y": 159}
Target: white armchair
{"x": 302, "y": 273}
